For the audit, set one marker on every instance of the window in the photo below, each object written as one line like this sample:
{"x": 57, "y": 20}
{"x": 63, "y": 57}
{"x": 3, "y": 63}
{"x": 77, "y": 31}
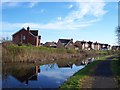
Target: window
{"x": 24, "y": 37}
{"x": 63, "y": 43}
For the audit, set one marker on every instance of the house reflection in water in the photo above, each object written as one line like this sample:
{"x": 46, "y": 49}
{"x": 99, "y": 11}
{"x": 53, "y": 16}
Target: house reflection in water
{"x": 65, "y": 65}
{"x": 29, "y": 75}
{"x": 89, "y": 60}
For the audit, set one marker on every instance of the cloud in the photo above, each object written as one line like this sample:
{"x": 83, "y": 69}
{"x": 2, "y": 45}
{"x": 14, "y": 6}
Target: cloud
{"x": 76, "y": 19}
{"x": 57, "y": 25}
{"x": 10, "y": 4}
{"x": 57, "y": 0}
{"x": 70, "y": 6}
{"x": 93, "y": 9}
{"x": 32, "y": 4}
{"x": 59, "y": 18}
{"x": 18, "y": 4}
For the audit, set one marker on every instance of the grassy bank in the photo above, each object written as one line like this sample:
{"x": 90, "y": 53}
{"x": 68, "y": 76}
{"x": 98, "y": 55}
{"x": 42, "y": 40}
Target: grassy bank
{"x": 116, "y": 68}
{"x": 106, "y": 52}
{"x": 75, "y": 81}
{"x": 31, "y": 54}
{"x": 14, "y": 53}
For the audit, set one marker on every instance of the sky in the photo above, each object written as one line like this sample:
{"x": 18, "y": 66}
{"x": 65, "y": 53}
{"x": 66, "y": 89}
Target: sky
{"x": 89, "y": 21}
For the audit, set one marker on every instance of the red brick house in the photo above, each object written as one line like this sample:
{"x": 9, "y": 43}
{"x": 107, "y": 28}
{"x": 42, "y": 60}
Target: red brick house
{"x": 65, "y": 43}
{"x": 26, "y": 37}
{"x": 78, "y": 45}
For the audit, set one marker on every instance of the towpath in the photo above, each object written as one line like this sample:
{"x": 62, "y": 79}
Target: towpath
{"x": 102, "y": 76}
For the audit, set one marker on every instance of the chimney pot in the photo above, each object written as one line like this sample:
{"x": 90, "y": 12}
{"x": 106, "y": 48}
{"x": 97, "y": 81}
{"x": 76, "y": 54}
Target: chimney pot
{"x": 28, "y": 28}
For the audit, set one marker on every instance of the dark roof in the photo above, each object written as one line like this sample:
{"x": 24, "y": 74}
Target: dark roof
{"x": 101, "y": 44}
{"x": 83, "y": 41}
{"x": 96, "y": 43}
{"x": 34, "y": 32}
{"x": 65, "y": 41}
{"x": 106, "y": 44}
{"x": 116, "y": 46}
{"x": 89, "y": 42}
{"x": 19, "y": 31}
{"x": 50, "y": 44}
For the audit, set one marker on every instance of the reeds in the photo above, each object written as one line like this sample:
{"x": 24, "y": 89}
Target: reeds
{"x": 14, "y": 53}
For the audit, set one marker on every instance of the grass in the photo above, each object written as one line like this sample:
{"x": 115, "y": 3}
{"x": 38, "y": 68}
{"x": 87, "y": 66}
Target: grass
{"x": 74, "y": 82}
{"x": 104, "y": 57}
{"x": 14, "y": 53}
{"x": 115, "y": 64}
{"x": 31, "y": 54}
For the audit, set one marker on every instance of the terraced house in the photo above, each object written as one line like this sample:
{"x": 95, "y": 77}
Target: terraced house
{"x": 50, "y": 44}
{"x": 65, "y": 43}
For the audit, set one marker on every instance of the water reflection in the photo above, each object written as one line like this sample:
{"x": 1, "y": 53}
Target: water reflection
{"x": 41, "y": 76}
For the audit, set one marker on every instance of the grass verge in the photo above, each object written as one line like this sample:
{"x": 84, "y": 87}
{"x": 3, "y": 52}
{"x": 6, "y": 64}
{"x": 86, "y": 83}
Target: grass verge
{"x": 75, "y": 81}
{"x": 115, "y": 64}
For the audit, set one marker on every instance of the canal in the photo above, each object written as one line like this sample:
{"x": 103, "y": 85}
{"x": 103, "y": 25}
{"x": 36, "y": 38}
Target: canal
{"x": 45, "y": 75}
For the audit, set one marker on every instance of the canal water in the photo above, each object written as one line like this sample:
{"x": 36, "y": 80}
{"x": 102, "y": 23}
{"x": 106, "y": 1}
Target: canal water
{"x": 50, "y": 75}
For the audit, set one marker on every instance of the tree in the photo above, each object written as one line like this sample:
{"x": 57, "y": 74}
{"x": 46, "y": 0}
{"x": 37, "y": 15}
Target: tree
{"x": 4, "y": 39}
{"x": 118, "y": 35}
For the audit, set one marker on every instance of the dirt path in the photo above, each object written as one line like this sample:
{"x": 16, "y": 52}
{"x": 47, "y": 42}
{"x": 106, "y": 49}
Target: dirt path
{"x": 103, "y": 76}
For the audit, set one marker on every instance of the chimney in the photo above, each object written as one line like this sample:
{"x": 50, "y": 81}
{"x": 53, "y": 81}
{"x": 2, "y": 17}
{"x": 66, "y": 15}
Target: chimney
{"x": 72, "y": 39}
{"x": 28, "y": 28}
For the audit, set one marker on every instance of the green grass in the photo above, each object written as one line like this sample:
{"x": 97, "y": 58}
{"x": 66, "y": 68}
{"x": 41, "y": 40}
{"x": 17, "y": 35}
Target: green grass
{"x": 74, "y": 82}
{"x": 106, "y": 52}
{"x": 14, "y": 53}
{"x": 115, "y": 64}
{"x": 105, "y": 57}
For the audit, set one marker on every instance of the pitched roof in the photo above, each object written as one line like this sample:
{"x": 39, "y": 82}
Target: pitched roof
{"x": 65, "y": 41}
{"x": 50, "y": 44}
{"x": 96, "y": 43}
{"x": 19, "y": 31}
{"x": 106, "y": 44}
{"x": 89, "y": 42}
{"x": 83, "y": 41}
{"x": 34, "y": 32}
